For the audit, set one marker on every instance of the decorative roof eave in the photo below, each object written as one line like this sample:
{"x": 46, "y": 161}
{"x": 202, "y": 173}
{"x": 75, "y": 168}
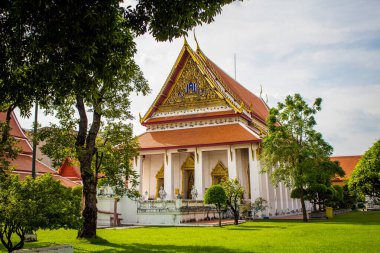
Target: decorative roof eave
{"x": 223, "y": 114}
{"x": 171, "y": 78}
{"x": 201, "y": 145}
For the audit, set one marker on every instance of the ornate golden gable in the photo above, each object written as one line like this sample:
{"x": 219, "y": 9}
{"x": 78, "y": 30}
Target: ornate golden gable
{"x": 191, "y": 90}
{"x": 219, "y": 173}
{"x": 160, "y": 173}
{"x": 189, "y": 163}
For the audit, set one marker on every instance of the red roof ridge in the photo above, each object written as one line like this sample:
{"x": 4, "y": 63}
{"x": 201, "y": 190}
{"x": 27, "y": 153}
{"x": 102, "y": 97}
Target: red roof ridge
{"x": 341, "y": 156}
{"x": 243, "y": 94}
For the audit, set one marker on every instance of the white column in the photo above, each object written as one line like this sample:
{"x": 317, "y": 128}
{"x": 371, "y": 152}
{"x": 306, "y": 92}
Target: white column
{"x": 281, "y": 188}
{"x": 137, "y": 167}
{"x": 287, "y": 204}
{"x": 291, "y": 206}
{"x": 168, "y": 176}
{"x": 198, "y": 174}
{"x": 268, "y": 193}
{"x": 231, "y": 156}
{"x": 254, "y": 170}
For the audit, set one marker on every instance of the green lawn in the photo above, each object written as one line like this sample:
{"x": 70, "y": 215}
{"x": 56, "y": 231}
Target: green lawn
{"x": 353, "y": 232}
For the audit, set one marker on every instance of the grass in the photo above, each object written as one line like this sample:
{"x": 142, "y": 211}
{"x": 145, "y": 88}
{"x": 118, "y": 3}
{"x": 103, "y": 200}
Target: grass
{"x": 353, "y": 232}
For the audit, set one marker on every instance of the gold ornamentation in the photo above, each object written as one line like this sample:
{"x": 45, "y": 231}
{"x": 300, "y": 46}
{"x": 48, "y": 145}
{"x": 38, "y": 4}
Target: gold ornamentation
{"x": 190, "y": 90}
{"x": 159, "y": 179}
{"x": 187, "y": 170}
{"x": 219, "y": 173}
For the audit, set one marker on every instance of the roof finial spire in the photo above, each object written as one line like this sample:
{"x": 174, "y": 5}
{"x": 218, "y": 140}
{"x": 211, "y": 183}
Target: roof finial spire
{"x": 196, "y": 41}
{"x": 185, "y": 41}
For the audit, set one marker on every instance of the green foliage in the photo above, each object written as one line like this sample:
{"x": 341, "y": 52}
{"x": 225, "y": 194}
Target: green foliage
{"x": 292, "y": 147}
{"x": 215, "y": 195}
{"x": 319, "y": 189}
{"x": 29, "y": 205}
{"x": 168, "y": 19}
{"x": 259, "y": 205}
{"x": 365, "y": 178}
{"x": 234, "y": 192}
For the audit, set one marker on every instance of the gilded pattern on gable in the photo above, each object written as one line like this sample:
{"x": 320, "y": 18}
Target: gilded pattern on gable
{"x": 190, "y": 90}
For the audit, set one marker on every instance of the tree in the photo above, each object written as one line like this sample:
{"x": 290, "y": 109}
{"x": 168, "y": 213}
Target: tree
{"x": 292, "y": 147}
{"x": 259, "y": 205}
{"x": 234, "y": 192}
{"x": 365, "y": 178}
{"x": 87, "y": 48}
{"x": 319, "y": 189}
{"x": 217, "y": 196}
{"x": 26, "y": 206}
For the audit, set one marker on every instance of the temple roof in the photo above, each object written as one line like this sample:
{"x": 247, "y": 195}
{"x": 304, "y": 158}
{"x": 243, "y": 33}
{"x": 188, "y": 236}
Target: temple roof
{"x": 238, "y": 98}
{"x": 348, "y": 164}
{"x": 197, "y": 137}
{"x": 22, "y": 165}
{"x": 69, "y": 170}
{"x": 17, "y": 132}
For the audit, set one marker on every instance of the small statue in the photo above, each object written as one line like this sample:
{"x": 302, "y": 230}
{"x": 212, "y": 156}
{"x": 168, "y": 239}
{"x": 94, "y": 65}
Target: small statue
{"x": 162, "y": 193}
{"x": 194, "y": 193}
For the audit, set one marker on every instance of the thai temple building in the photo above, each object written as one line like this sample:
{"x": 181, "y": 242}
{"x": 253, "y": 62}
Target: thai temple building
{"x": 204, "y": 127}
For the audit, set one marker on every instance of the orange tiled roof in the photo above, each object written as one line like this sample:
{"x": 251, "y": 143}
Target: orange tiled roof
{"x": 190, "y": 117}
{"x": 259, "y": 108}
{"x": 195, "y": 137}
{"x": 347, "y": 163}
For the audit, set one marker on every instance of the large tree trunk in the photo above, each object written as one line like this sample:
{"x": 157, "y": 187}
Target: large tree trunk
{"x": 236, "y": 218}
{"x": 90, "y": 211}
{"x": 220, "y": 216}
{"x": 85, "y": 145}
{"x": 304, "y": 213}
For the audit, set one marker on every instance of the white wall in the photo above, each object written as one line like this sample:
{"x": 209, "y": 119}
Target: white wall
{"x": 151, "y": 165}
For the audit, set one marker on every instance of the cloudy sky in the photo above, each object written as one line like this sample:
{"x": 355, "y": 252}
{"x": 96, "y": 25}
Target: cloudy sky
{"x": 322, "y": 48}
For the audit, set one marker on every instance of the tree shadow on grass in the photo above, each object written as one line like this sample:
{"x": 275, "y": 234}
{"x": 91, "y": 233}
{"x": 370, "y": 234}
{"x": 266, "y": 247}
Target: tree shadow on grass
{"x": 157, "y": 248}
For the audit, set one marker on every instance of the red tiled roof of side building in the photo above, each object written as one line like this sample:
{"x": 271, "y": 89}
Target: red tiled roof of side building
{"x": 197, "y": 137}
{"x": 25, "y": 146}
{"x": 68, "y": 169}
{"x": 16, "y": 130}
{"x": 190, "y": 117}
{"x": 258, "y": 105}
{"x": 347, "y": 163}
{"x": 23, "y": 162}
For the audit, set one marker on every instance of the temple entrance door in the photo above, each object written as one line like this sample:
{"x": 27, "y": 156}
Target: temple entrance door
{"x": 187, "y": 177}
{"x": 189, "y": 183}
{"x": 159, "y": 180}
